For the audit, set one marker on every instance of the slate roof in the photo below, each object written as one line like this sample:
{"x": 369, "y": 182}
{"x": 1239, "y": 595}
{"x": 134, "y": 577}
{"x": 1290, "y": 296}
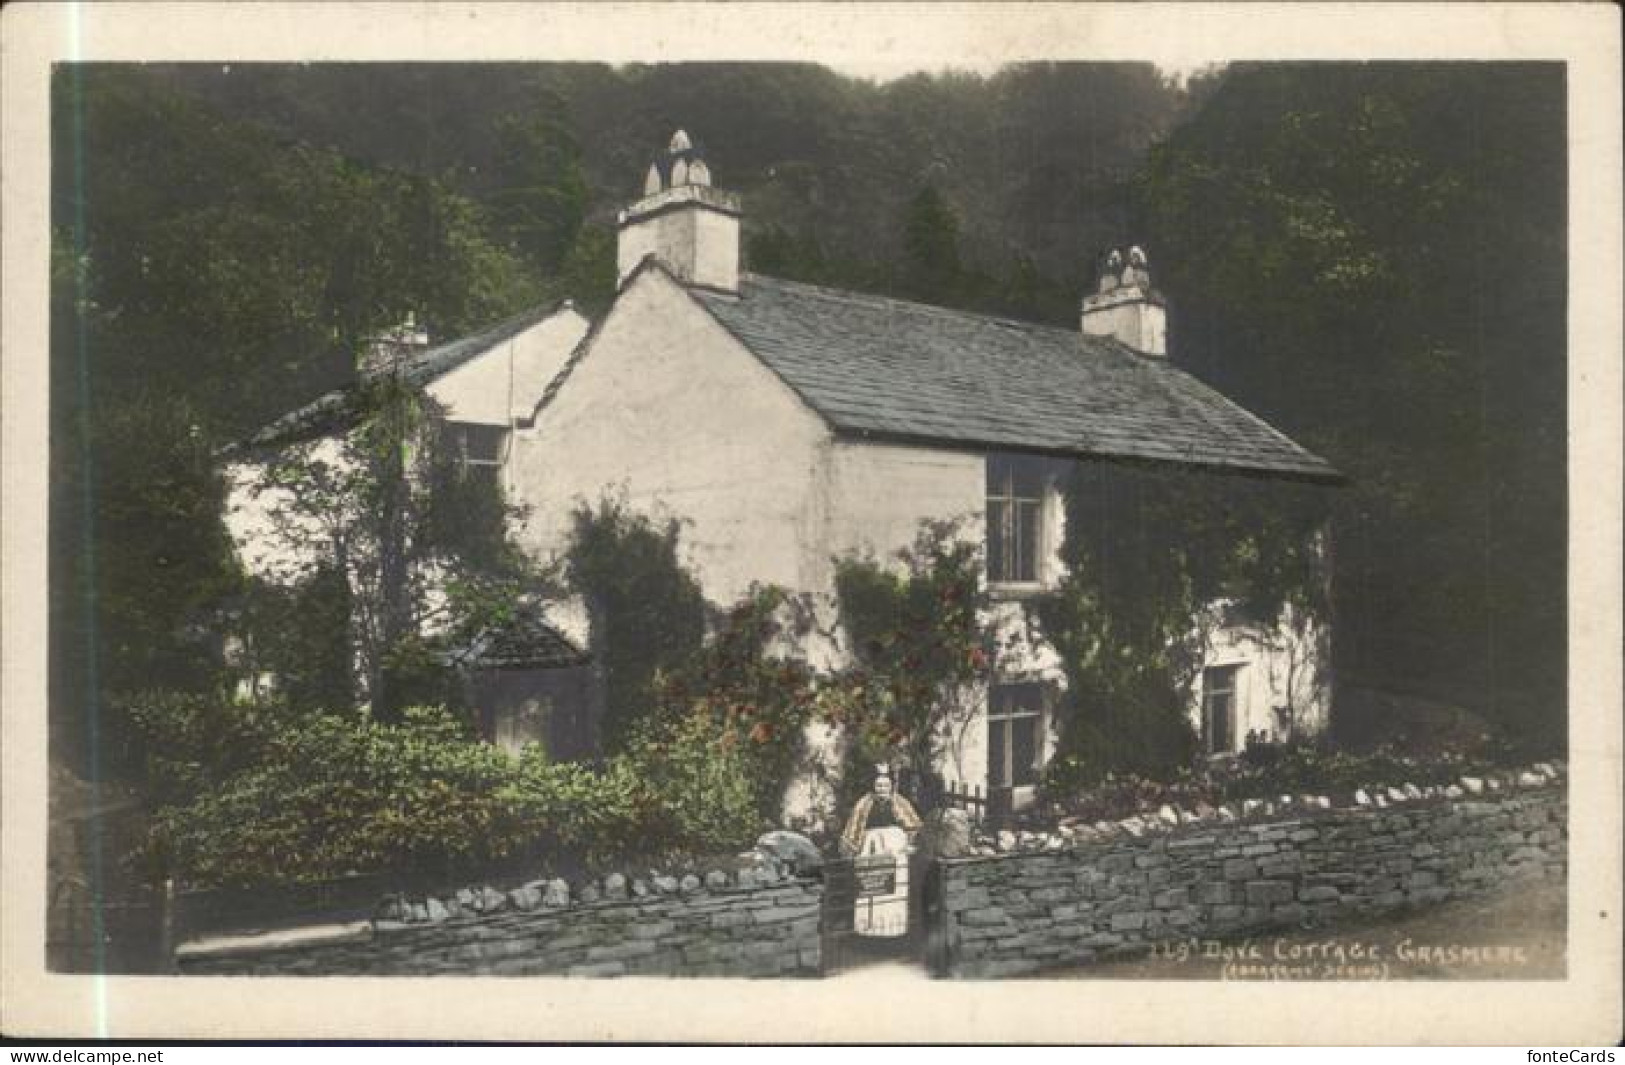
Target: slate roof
{"x": 882, "y": 368}
{"x": 526, "y": 642}
{"x": 340, "y": 409}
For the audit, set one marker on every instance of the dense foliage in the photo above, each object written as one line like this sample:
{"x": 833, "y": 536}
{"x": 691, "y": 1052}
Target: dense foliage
{"x": 1147, "y": 551}
{"x": 419, "y": 544}
{"x": 645, "y": 609}
{"x": 749, "y": 690}
{"x": 922, "y": 649}
{"x": 256, "y": 795}
{"x": 1372, "y": 256}
{"x": 207, "y": 276}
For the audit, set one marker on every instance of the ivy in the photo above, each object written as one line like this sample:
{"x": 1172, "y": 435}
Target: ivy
{"x": 1156, "y": 559}
{"x": 921, "y": 648}
{"x": 646, "y": 611}
{"x": 388, "y": 510}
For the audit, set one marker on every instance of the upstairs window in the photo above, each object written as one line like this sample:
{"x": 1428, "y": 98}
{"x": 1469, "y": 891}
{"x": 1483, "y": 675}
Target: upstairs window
{"x": 1015, "y": 496}
{"x": 479, "y": 448}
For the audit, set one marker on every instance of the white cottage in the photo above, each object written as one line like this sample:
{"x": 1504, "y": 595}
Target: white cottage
{"x": 787, "y": 424}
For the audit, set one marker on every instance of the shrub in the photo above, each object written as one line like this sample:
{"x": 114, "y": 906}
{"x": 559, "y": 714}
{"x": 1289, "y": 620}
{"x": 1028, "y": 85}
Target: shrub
{"x": 755, "y": 701}
{"x": 647, "y": 612}
{"x": 324, "y": 797}
{"x": 186, "y": 744}
{"x": 704, "y": 797}
{"x": 922, "y": 648}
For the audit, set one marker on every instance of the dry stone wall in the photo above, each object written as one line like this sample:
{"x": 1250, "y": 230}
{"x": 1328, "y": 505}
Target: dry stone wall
{"x": 754, "y": 922}
{"x": 1119, "y": 889}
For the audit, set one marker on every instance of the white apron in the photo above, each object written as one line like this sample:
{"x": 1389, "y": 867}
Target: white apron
{"x": 881, "y": 868}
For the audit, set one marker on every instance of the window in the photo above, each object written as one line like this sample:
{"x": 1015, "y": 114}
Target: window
{"x": 1219, "y": 709}
{"x": 1013, "y": 715}
{"x": 479, "y": 447}
{"x": 1015, "y": 494}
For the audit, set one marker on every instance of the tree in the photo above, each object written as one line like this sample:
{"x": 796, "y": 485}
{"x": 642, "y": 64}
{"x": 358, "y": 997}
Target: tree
{"x": 1156, "y": 559}
{"x": 422, "y": 543}
{"x": 931, "y": 266}
{"x": 1372, "y": 257}
{"x": 207, "y": 276}
{"x": 540, "y": 207}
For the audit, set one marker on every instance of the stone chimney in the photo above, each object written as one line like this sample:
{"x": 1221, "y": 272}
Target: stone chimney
{"x": 387, "y": 351}
{"x": 692, "y": 227}
{"x": 1126, "y": 306}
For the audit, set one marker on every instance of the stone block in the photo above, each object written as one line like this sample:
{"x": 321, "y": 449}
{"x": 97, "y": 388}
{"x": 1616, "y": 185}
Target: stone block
{"x": 1288, "y": 913}
{"x": 1128, "y": 922}
{"x": 778, "y": 914}
{"x": 993, "y": 915}
{"x": 651, "y": 929}
{"x": 1268, "y": 892}
{"x": 1213, "y": 894}
{"x": 1240, "y": 869}
{"x": 1173, "y": 898}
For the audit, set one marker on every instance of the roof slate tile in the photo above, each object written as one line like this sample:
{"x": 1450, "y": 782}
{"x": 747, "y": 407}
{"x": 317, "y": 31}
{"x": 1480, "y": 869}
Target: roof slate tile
{"x": 879, "y": 367}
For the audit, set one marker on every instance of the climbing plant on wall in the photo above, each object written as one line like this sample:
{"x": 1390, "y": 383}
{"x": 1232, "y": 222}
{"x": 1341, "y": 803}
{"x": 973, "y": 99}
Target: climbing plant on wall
{"x": 422, "y": 545}
{"x": 920, "y": 647}
{"x": 1156, "y": 559}
{"x": 646, "y": 610}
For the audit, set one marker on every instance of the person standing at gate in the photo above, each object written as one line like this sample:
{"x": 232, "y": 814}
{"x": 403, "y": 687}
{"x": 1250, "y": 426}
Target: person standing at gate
{"x": 881, "y": 808}
{"x": 877, "y": 837}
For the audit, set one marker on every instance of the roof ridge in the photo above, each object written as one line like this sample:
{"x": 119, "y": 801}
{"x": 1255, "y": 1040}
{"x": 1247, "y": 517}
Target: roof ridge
{"x": 333, "y": 401}
{"x": 915, "y": 305}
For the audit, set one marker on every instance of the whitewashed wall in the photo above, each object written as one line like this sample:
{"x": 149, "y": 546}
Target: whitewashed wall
{"x": 1280, "y": 665}
{"x": 668, "y": 412}
{"x": 263, "y": 551}
{"x": 507, "y": 382}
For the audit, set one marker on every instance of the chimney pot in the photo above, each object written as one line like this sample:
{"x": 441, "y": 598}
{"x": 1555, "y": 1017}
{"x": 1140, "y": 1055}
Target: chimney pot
{"x": 1126, "y": 307}
{"x": 691, "y": 227}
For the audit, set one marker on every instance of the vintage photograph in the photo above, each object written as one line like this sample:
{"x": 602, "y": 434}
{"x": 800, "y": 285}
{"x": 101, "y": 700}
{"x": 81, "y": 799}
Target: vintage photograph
{"x": 745, "y": 519}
